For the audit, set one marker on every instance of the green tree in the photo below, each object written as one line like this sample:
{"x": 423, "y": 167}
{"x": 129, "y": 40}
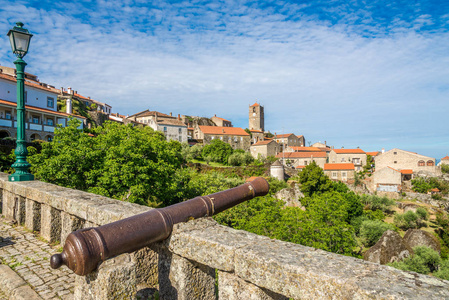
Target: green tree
{"x": 129, "y": 163}
{"x": 372, "y": 230}
{"x": 313, "y": 180}
{"x": 424, "y": 261}
{"x": 217, "y": 151}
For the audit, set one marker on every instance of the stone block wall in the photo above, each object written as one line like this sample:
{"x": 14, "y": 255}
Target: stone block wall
{"x": 204, "y": 260}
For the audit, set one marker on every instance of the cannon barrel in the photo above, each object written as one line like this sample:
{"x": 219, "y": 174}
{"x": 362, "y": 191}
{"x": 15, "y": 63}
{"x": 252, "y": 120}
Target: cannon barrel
{"x": 84, "y": 249}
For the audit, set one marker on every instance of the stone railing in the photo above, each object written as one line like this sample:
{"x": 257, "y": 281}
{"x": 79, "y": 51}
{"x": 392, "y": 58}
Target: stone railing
{"x": 204, "y": 260}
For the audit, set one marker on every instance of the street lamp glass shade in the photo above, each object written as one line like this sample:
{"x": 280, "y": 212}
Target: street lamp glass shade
{"x": 19, "y": 38}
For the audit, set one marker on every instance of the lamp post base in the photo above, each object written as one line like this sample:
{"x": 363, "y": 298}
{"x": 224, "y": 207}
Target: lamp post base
{"x": 21, "y": 177}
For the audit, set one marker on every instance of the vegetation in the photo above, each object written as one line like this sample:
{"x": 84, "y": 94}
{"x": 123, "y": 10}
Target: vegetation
{"x": 217, "y": 151}
{"x": 424, "y": 185}
{"x": 445, "y": 168}
{"x": 374, "y": 202}
{"x": 424, "y": 261}
{"x": 372, "y": 230}
{"x": 411, "y": 220}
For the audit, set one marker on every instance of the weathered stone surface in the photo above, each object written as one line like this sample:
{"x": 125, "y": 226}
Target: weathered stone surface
{"x": 114, "y": 279}
{"x": 69, "y": 223}
{"x": 32, "y": 215}
{"x": 50, "y": 223}
{"x": 389, "y": 248}
{"x": 183, "y": 279}
{"x": 291, "y": 196}
{"x": 232, "y": 287}
{"x": 417, "y": 237}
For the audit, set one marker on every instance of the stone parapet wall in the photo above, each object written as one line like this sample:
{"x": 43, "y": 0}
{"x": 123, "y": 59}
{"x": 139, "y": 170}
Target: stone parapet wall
{"x": 185, "y": 265}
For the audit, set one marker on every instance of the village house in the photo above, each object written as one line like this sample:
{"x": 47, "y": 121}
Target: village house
{"x": 221, "y": 122}
{"x": 400, "y": 159}
{"x": 302, "y": 140}
{"x": 340, "y": 171}
{"x": 287, "y": 140}
{"x": 444, "y": 161}
{"x": 355, "y": 156}
{"x": 322, "y": 146}
{"x": 302, "y": 159}
{"x": 237, "y": 137}
{"x": 386, "y": 180}
{"x": 256, "y": 136}
{"x": 172, "y": 127}
{"x": 264, "y": 149}
{"x": 41, "y": 116}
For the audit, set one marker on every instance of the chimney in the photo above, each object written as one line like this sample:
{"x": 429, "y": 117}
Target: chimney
{"x": 342, "y": 147}
{"x": 325, "y": 144}
{"x": 68, "y": 105}
{"x": 171, "y": 115}
{"x": 383, "y": 150}
{"x": 69, "y": 90}
{"x": 215, "y": 115}
{"x": 88, "y": 98}
{"x": 179, "y": 117}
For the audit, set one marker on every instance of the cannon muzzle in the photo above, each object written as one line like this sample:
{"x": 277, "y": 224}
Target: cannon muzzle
{"x": 84, "y": 249}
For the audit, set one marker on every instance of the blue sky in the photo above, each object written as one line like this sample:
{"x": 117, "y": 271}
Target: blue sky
{"x": 373, "y": 74}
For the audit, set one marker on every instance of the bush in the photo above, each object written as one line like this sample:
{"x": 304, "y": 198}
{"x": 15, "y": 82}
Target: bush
{"x": 437, "y": 197}
{"x": 445, "y": 168}
{"x": 422, "y": 213}
{"x": 410, "y": 219}
{"x": 424, "y": 261}
{"x": 240, "y": 159}
{"x": 217, "y": 151}
{"x": 373, "y": 202}
{"x": 372, "y": 230}
{"x": 443, "y": 270}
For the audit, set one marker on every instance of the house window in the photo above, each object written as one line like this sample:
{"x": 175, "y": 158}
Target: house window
{"x": 344, "y": 174}
{"x": 36, "y": 120}
{"x": 395, "y": 153}
{"x": 430, "y": 163}
{"x": 179, "y": 130}
{"x": 334, "y": 175}
{"x": 50, "y": 102}
{"x": 221, "y": 138}
{"x": 305, "y": 163}
{"x": 8, "y": 115}
{"x": 165, "y": 129}
{"x": 421, "y": 163}
{"x": 180, "y": 138}
{"x": 241, "y": 138}
{"x": 395, "y": 162}
{"x": 50, "y": 122}
{"x": 235, "y": 139}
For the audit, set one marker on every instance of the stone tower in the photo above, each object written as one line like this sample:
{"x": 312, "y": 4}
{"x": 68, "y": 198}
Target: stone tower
{"x": 256, "y": 117}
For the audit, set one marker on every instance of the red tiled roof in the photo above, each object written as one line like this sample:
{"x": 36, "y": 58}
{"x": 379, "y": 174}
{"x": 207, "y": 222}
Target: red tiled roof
{"x": 32, "y": 84}
{"x": 349, "y": 151}
{"x": 300, "y": 167}
{"x": 280, "y": 136}
{"x": 435, "y": 190}
{"x": 406, "y": 171}
{"x": 301, "y": 154}
{"x": 255, "y": 104}
{"x": 373, "y": 153}
{"x": 446, "y": 157}
{"x": 219, "y": 130}
{"x": 257, "y": 131}
{"x": 190, "y": 128}
{"x": 346, "y": 166}
{"x": 34, "y": 108}
{"x": 303, "y": 149}
{"x": 260, "y": 143}
{"x": 221, "y": 119}
{"x": 300, "y": 136}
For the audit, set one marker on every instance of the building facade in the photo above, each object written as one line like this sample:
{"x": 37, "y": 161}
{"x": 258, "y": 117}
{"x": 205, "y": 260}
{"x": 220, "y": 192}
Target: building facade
{"x": 221, "y": 122}
{"x": 340, "y": 171}
{"x": 400, "y": 159}
{"x": 264, "y": 149}
{"x": 354, "y": 156}
{"x": 256, "y": 117}
{"x": 172, "y": 127}
{"x": 287, "y": 140}
{"x": 41, "y": 118}
{"x": 237, "y": 137}
{"x": 302, "y": 159}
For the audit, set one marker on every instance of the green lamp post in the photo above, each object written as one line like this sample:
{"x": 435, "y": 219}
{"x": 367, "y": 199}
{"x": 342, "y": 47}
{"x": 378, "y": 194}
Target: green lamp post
{"x": 20, "y": 40}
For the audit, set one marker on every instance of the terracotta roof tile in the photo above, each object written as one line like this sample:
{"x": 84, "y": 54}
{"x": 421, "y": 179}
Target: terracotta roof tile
{"x": 301, "y": 155}
{"x": 31, "y": 84}
{"x": 260, "y": 143}
{"x": 345, "y": 166}
{"x": 219, "y": 130}
{"x": 280, "y": 136}
{"x": 304, "y": 149}
{"x": 373, "y": 153}
{"x": 300, "y": 167}
{"x": 255, "y": 104}
{"x": 221, "y": 119}
{"x": 406, "y": 171}
{"x": 349, "y": 151}
{"x": 256, "y": 131}
{"x": 446, "y": 157}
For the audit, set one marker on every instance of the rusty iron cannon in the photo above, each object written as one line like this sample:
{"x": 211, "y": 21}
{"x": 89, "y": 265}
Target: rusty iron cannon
{"x": 84, "y": 249}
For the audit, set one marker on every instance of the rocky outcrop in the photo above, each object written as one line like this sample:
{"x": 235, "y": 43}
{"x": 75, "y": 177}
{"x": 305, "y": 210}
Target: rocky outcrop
{"x": 389, "y": 248}
{"x": 290, "y": 196}
{"x": 417, "y": 237}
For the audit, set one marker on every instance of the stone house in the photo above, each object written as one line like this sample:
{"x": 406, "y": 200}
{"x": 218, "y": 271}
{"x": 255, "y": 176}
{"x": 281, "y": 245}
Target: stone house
{"x": 340, "y": 171}
{"x": 302, "y": 140}
{"x": 41, "y": 114}
{"x": 237, "y": 137}
{"x": 264, "y": 149}
{"x": 302, "y": 149}
{"x": 256, "y": 136}
{"x": 172, "y": 127}
{"x": 355, "y": 156}
{"x": 400, "y": 159}
{"x": 221, "y": 122}
{"x": 444, "y": 160}
{"x": 298, "y": 159}
{"x": 386, "y": 180}
{"x": 287, "y": 140}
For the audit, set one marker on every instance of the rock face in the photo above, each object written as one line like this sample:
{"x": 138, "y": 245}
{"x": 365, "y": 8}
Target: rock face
{"x": 291, "y": 196}
{"x": 417, "y": 237}
{"x": 389, "y": 248}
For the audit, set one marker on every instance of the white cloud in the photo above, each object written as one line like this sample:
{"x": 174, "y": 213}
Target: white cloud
{"x": 328, "y": 82}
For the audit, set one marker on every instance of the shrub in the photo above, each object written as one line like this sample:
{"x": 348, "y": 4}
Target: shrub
{"x": 217, "y": 151}
{"x": 422, "y": 213}
{"x": 373, "y": 202}
{"x": 372, "y": 230}
{"x": 437, "y": 197}
{"x": 240, "y": 159}
{"x": 443, "y": 270}
{"x": 424, "y": 261}
{"x": 410, "y": 219}
{"x": 445, "y": 168}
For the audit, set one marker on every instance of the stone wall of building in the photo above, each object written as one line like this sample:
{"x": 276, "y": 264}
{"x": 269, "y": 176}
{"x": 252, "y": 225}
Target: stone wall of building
{"x": 185, "y": 265}
{"x": 400, "y": 160}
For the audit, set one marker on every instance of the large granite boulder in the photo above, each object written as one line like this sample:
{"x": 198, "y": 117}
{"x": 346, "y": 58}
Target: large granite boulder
{"x": 291, "y": 196}
{"x": 417, "y": 237}
{"x": 389, "y": 248}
